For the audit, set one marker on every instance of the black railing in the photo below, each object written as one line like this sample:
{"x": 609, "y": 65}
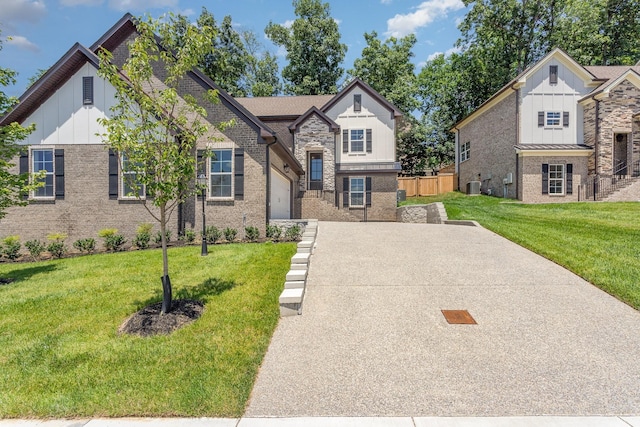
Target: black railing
{"x": 598, "y": 187}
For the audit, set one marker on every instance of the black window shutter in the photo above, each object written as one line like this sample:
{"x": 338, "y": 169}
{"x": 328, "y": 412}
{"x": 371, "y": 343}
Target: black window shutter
{"x": 545, "y": 178}
{"x": 345, "y": 191}
{"x": 24, "y": 167}
{"x": 368, "y": 190}
{"x": 345, "y": 141}
{"x": 357, "y": 103}
{"x": 369, "y": 141}
{"x": 540, "y": 118}
{"x": 569, "y": 189}
{"x": 553, "y": 74}
{"x": 238, "y": 173}
{"x": 565, "y": 118}
{"x": 113, "y": 175}
{"x": 87, "y": 90}
{"x": 59, "y": 173}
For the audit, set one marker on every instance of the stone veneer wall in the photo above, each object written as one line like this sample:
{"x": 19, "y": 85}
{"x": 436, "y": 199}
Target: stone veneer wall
{"x": 492, "y": 136}
{"x": 616, "y": 116}
{"x": 315, "y": 135}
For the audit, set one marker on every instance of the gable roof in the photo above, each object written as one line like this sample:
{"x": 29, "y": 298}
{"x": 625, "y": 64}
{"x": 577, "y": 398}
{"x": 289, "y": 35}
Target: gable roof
{"x": 616, "y": 75}
{"x": 313, "y": 110}
{"x": 369, "y": 90}
{"x": 520, "y": 80}
{"x": 49, "y": 82}
{"x": 283, "y": 106}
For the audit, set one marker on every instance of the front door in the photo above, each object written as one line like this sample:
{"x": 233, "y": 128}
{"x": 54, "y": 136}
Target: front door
{"x": 620, "y": 153}
{"x": 315, "y": 171}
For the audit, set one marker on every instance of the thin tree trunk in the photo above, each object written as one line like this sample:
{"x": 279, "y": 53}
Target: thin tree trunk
{"x": 166, "y": 282}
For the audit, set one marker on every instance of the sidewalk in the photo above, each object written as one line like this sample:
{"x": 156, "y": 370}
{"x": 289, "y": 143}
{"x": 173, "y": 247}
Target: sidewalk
{"x": 547, "y": 421}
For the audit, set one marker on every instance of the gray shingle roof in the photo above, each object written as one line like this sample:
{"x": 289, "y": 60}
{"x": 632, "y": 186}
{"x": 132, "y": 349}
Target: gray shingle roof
{"x": 283, "y": 105}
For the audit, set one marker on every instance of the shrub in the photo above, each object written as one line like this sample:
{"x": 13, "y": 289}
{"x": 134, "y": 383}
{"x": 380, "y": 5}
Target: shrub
{"x": 11, "y": 247}
{"x": 293, "y": 233}
{"x": 252, "y": 233}
{"x": 230, "y": 234}
{"x": 189, "y": 236}
{"x": 86, "y": 246}
{"x": 273, "y": 232}
{"x": 143, "y": 236}
{"x": 212, "y": 234}
{"x": 112, "y": 240}
{"x": 158, "y": 239}
{"x": 35, "y": 247}
{"x": 57, "y": 247}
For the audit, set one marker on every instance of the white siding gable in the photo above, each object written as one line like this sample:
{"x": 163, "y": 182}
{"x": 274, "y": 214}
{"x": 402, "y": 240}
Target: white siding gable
{"x": 539, "y": 95}
{"x": 374, "y": 116}
{"x": 63, "y": 119}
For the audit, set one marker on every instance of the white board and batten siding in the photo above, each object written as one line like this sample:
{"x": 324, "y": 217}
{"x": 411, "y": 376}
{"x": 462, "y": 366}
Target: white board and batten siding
{"x": 63, "y": 119}
{"x": 374, "y": 116}
{"x": 280, "y": 196}
{"x": 538, "y": 94}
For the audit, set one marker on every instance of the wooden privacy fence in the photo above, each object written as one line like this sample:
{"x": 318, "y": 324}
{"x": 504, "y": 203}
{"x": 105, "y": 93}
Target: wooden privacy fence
{"x": 427, "y": 185}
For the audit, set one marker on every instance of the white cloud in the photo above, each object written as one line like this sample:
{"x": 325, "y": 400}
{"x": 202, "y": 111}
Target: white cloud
{"x": 447, "y": 53}
{"x": 426, "y": 13}
{"x": 13, "y": 11}
{"x": 22, "y": 43}
{"x": 141, "y": 5}
{"x": 288, "y": 23}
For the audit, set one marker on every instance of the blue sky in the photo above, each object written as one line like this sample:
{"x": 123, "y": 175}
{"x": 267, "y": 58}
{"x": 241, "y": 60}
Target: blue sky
{"x": 41, "y": 31}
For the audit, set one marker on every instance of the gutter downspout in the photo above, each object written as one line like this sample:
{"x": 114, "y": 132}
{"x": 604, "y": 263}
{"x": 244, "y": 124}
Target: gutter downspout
{"x": 268, "y": 201}
{"x": 517, "y": 136}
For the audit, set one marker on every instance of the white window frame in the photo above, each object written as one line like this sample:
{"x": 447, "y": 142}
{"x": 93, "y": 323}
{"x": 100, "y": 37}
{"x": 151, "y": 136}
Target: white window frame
{"x": 553, "y": 119}
{"x": 556, "y": 179}
{"x": 352, "y": 192}
{"x": 465, "y": 151}
{"x": 123, "y": 182}
{"x": 363, "y": 141}
{"x": 230, "y": 173}
{"x": 48, "y": 174}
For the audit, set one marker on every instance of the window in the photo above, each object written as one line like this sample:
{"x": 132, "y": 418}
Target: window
{"x": 130, "y": 181}
{"x": 465, "y": 150}
{"x": 87, "y": 90}
{"x": 357, "y": 103}
{"x": 553, "y": 74}
{"x": 221, "y": 173}
{"x": 356, "y": 192}
{"x": 42, "y": 160}
{"x": 552, "y": 118}
{"x": 357, "y": 141}
{"x": 556, "y": 179}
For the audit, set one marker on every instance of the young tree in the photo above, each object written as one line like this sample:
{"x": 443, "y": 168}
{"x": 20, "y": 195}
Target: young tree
{"x": 12, "y": 186}
{"x": 153, "y": 127}
{"x": 313, "y": 49}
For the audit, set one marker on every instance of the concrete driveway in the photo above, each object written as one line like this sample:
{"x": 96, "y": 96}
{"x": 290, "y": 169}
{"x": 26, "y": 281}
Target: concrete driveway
{"x": 372, "y": 340}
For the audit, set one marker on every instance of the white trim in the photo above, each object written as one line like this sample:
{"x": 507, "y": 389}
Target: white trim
{"x": 122, "y": 195}
{"x": 561, "y": 180}
{"x": 547, "y": 118}
{"x": 230, "y": 173}
{"x": 32, "y": 193}
{"x": 554, "y": 153}
{"x": 465, "y": 149}
{"x": 364, "y": 141}
{"x": 364, "y": 191}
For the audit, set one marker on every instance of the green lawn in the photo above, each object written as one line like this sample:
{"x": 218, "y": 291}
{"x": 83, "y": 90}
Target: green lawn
{"x": 598, "y": 241}
{"x": 61, "y": 355}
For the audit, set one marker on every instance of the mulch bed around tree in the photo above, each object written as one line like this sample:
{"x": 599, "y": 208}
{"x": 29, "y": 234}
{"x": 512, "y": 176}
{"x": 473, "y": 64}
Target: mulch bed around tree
{"x": 149, "y": 321}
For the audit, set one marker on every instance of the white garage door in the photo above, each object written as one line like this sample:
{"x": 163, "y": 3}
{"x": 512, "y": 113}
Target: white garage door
{"x": 280, "y": 196}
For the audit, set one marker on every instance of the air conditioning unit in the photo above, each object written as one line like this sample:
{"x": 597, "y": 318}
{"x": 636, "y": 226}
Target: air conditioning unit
{"x": 473, "y": 187}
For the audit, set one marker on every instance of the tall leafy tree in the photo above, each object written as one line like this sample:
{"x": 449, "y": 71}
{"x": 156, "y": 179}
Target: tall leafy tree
{"x": 12, "y": 186}
{"x": 152, "y": 126}
{"x": 261, "y": 78}
{"x": 314, "y": 51}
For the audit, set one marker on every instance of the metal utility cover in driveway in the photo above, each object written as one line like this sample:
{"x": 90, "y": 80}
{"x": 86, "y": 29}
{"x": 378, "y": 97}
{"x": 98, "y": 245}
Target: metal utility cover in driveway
{"x": 458, "y": 317}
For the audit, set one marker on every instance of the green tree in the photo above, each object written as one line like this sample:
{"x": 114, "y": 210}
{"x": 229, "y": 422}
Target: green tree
{"x": 387, "y": 67}
{"x": 262, "y": 68}
{"x": 314, "y": 51}
{"x": 153, "y": 127}
{"x": 13, "y": 186}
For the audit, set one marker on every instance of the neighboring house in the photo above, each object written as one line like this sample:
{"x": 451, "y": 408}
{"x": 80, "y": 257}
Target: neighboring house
{"x": 554, "y": 133}
{"x": 260, "y": 171}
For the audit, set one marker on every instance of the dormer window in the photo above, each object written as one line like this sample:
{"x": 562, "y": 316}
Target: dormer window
{"x": 357, "y": 103}
{"x": 87, "y": 90}
{"x": 553, "y": 74}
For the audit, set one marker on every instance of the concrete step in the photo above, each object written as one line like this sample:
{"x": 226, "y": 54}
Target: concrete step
{"x": 300, "y": 258}
{"x": 299, "y": 266}
{"x": 308, "y": 243}
{"x": 294, "y": 285}
{"x": 296, "y": 275}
